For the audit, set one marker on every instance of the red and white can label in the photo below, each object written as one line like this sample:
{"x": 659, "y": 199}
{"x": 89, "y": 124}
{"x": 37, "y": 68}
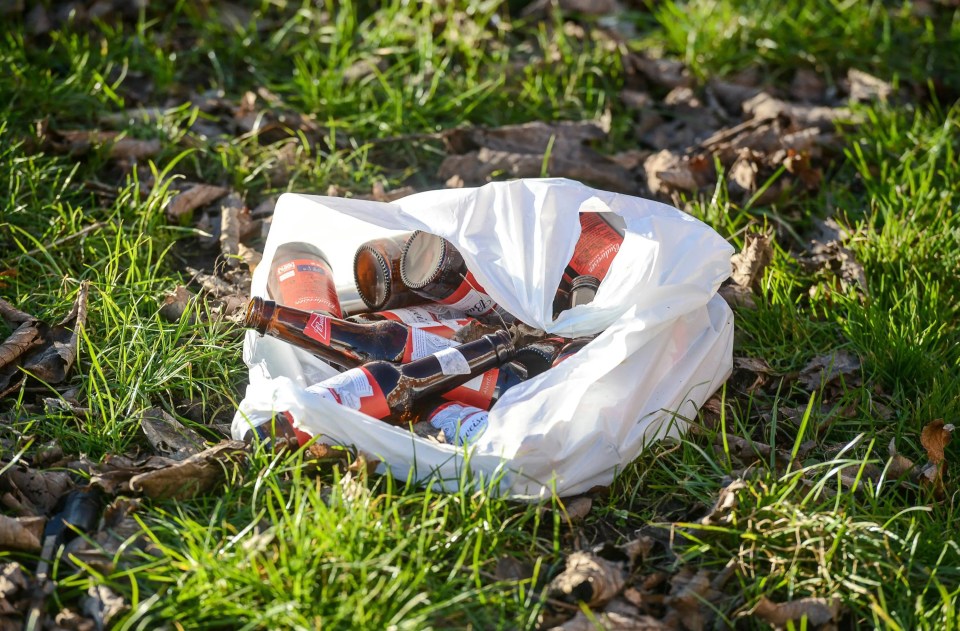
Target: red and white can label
{"x": 421, "y": 342}
{"x": 307, "y": 284}
{"x": 477, "y": 392}
{"x": 595, "y": 250}
{"x": 356, "y": 389}
{"x": 318, "y": 328}
{"x": 460, "y": 424}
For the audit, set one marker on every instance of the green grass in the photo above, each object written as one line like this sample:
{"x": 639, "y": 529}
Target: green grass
{"x": 289, "y": 546}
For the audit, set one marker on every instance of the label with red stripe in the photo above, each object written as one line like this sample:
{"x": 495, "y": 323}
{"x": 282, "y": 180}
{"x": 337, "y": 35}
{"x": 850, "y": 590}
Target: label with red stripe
{"x": 470, "y": 298}
{"x": 477, "y": 392}
{"x": 356, "y": 389}
{"x": 307, "y": 284}
{"x": 460, "y": 424}
{"x": 595, "y": 250}
{"x": 318, "y": 328}
{"x": 420, "y": 343}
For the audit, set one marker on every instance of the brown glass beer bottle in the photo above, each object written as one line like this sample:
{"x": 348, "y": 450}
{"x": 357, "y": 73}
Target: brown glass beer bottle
{"x": 342, "y": 342}
{"x": 434, "y": 319}
{"x": 300, "y": 276}
{"x": 432, "y": 267}
{"x": 376, "y": 271}
{"x": 387, "y": 391}
{"x": 570, "y": 349}
{"x": 484, "y": 390}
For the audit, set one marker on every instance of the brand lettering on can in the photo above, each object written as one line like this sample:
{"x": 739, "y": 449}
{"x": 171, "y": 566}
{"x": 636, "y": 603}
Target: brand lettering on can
{"x": 595, "y": 250}
{"x": 460, "y": 424}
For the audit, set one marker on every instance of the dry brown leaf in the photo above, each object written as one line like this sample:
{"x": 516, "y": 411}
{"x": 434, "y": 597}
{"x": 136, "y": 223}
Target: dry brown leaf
{"x": 665, "y": 72}
{"x": 180, "y": 208}
{"x": 578, "y": 508}
{"x": 231, "y": 208}
{"x": 13, "y": 583}
{"x": 807, "y": 85}
{"x": 23, "y": 339}
{"x": 134, "y": 149}
{"x": 511, "y": 569}
{"x": 52, "y": 362}
{"x": 176, "y": 303}
{"x": 726, "y": 502}
{"x": 737, "y": 297}
{"x": 750, "y": 263}
{"x": 817, "y": 611}
{"x": 21, "y": 533}
{"x": 864, "y": 87}
{"x": 935, "y": 437}
{"x": 666, "y": 171}
{"x": 611, "y": 621}
{"x": 32, "y": 492}
{"x": 195, "y": 475}
{"x": 168, "y": 436}
{"x": 823, "y": 369}
{"x": 588, "y": 578}
{"x": 13, "y": 315}
{"x": 764, "y": 106}
{"x": 690, "y": 595}
{"x": 102, "y": 605}
{"x": 899, "y": 465}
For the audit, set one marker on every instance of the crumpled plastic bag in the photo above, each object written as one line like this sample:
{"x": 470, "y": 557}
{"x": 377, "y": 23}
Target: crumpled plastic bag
{"x": 665, "y": 342}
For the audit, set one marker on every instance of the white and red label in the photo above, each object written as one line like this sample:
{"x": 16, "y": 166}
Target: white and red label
{"x": 469, "y": 298}
{"x": 477, "y": 392}
{"x": 460, "y": 424}
{"x": 452, "y": 362}
{"x": 422, "y": 342}
{"x": 308, "y": 284}
{"x": 438, "y": 320}
{"x": 356, "y": 389}
{"x": 318, "y": 328}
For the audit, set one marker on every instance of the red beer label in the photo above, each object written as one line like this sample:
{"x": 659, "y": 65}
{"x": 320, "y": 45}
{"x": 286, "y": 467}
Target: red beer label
{"x": 470, "y": 298}
{"x": 598, "y": 244}
{"x": 477, "y": 392}
{"x": 356, "y": 389}
{"x": 318, "y": 328}
{"x": 421, "y": 342}
{"x": 308, "y": 284}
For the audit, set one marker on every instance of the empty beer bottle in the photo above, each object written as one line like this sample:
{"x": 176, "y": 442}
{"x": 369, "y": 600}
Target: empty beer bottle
{"x": 277, "y": 429}
{"x": 538, "y": 357}
{"x": 435, "y": 319}
{"x": 484, "y": 390}
{"x": 570, "y": 349}
{"x": 387, "y": 391}
{"x": 342, "y": 342}
{"x": 432, "y": 267}
{"x": 376, "y": 271}
{"x": 300, "y": 276}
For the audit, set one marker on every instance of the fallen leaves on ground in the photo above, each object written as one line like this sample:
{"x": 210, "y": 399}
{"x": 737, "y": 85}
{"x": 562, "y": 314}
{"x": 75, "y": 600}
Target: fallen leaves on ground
{"x": 21, "y": 533}
{"x": 820, "y": 613}
{"x": 935, "y": 437}
{"x": 35, "y": 348}
{"x": 168, "y": 436}
{"x": 158, "y": 477}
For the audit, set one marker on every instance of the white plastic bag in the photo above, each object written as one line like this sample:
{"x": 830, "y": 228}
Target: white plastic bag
{"x": 665, "y": 347}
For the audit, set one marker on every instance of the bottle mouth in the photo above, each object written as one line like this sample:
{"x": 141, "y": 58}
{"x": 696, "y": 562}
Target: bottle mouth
{"x": 421, "y": 259}
{"x": 256, "y": 315}
{"x": 366, "y": 263}
{"x": 585, "y": 281}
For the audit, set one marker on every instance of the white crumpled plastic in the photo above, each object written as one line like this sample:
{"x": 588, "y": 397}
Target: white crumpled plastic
{"x": 665, "y": 347}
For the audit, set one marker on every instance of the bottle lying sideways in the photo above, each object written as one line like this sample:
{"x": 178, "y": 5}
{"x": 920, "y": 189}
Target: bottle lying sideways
{"x": 389, "y": 392}
{"x": 435, "y": 319}
{"x": 343, "y": 342}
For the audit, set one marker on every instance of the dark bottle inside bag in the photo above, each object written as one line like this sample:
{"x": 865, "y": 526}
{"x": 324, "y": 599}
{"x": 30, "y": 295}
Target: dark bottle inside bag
{"x": 432, "y": 267}
{"x": 376, "y": 270}
{"x": 538, "y": 357}
{"x": 570, "y": 349}
{"x": 387, "y": 391}
{"x": 300, "y": 276}
{"x": 342, "y": 342}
